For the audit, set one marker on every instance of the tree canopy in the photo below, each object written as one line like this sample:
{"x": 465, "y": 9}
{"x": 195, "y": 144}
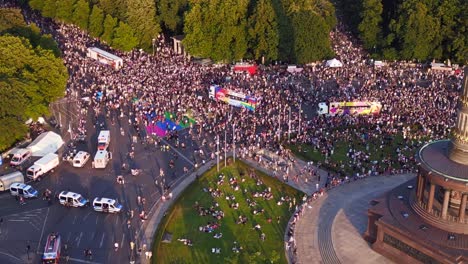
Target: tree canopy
{"x": 410, "y": 29}
{"x": 31, "y": 76}
{"x": 243, "y": 29}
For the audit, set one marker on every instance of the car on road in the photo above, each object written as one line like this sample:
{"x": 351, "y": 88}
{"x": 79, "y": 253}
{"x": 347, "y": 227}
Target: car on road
{"x": 80, "y": 159}
{"x": 24, "y": 190}
{"x": 106, "y": 205}
{"x": 20, "y": 156}
{"x": 68, "y": 198}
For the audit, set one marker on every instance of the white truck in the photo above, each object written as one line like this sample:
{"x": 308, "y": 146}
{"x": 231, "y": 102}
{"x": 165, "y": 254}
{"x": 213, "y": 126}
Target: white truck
{"x": 43, "y": 166}
{"x": 101, "y": 159}
{"x": 8, "y": 179}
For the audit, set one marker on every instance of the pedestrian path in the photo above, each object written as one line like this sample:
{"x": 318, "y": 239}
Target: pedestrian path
{"x": 331, "y": 230}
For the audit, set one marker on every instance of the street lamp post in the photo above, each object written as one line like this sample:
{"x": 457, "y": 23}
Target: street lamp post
{"x": 217, "y": 153}
{"x": 300, "y": 114}
{"x": 233, "y": 142}
{"x": 225, "y": 146}
{"x": 289, "y": 125}
{"x": 153, "y": 42}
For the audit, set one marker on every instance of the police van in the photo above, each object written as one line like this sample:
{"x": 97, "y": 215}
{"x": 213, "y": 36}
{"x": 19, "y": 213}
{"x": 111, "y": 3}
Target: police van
{"x": 106, "y": 205}
{"x": 72, "y": 199}
{"x": 21, "y": 189}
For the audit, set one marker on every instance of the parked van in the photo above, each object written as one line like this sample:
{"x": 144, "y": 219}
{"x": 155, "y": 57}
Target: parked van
{"x": 8, "y": 179}
{"x": 42, "y": 166}
{"x": 103, "y": 140}
{"x": 20, "y": 156}
{"x": 72, "y": 199}
{"x": 21, "y": 189}
{"x": 106, "y": 205}
{"x": 101, "y": 159}
{"x": 80, "y": 159}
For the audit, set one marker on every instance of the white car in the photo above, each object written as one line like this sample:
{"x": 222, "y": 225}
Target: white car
{"x": 72, "y": 199}
{"x": 80, "y": 159}
{"x": 21, "y": 189}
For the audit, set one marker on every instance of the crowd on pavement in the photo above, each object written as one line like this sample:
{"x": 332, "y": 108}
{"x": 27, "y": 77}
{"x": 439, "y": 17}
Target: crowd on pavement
{"x": 418, "y": 104}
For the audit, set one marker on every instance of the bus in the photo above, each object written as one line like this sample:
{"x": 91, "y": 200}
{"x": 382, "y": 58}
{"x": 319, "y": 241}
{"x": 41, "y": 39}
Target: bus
{"x": 354, "y": 108}
{"x": 52, "y": 249}
{"x": 105, "y": 57}
{"x": 233, "y": 98}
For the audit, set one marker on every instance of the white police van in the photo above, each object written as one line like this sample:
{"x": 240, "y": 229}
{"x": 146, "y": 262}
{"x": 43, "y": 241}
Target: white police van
{"x": 21, "y": 189}
{"x": 72, "y": 199}
{"x": 106, "y": 205}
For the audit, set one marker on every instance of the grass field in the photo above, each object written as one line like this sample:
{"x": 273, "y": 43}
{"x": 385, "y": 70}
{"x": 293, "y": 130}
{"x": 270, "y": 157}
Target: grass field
{"x": 309, "y": 153}
{"x": 183, "y": 221}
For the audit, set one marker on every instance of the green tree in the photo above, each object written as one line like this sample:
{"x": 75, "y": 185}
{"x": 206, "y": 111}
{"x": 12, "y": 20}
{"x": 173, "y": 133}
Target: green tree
{"x": 65, "y": 10}
{"x": 11, "y": 18}
{"x": 264, "y": 31}
{"x": 369, "y": 28}
{"x": 170, "y": 14}
{"x": 81, "y": 14}
{"x": 109, "y": 25}
{"x": 30, "y": 78}
{"x": 141, "y": 18}
{"x": 115, "y": 8}
{"x": 49, "y": 9}
{"x": 36, "y": 4}
{"x": 417, "y": 30}
{"x": 124, "y": 37}
{"x": 96, "y": 21}
{"x": 311, "y": 41}
{"x": 194, "y": 40}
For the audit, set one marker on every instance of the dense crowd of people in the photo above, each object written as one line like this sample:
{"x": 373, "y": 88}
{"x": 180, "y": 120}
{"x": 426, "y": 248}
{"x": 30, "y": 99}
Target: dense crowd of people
{"x": 417, "y": 103}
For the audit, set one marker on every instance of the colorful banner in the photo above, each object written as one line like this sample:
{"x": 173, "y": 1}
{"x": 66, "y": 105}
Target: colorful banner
{"x": 355, "y": 108}
{"x": 233, "y": 98}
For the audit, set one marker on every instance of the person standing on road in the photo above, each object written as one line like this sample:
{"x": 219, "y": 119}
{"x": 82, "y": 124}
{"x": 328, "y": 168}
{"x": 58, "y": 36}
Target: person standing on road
{"x": 116, "y": 246}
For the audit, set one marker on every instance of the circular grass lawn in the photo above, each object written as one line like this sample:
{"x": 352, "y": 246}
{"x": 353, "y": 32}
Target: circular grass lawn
{"x": 183, "y": 220}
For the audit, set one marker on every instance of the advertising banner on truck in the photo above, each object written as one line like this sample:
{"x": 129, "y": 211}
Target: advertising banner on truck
{"x": 355, "y": 108}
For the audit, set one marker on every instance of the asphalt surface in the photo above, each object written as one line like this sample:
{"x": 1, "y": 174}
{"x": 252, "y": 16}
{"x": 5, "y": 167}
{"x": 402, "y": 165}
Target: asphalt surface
{"x": 83, "y": 228}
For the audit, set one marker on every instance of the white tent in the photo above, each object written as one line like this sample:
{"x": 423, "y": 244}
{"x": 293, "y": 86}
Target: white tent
{"x": 334, "y": 63}
{"x": 47, "y": 142}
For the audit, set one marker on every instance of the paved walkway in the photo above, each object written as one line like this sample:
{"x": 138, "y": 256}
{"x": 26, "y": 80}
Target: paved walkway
{"x": 331, "y": 231}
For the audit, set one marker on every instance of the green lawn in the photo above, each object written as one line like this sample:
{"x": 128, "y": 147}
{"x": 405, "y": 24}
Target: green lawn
{"x": 372, "y": 146}
{"x": 183, "y": 221}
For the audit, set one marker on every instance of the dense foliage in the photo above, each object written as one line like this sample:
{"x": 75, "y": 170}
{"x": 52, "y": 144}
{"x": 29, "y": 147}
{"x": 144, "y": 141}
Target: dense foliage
{"x": 288, "y": 30}
{"x": 31, "y": 75}
{"x": 410, "y": 29}
{"x": 295, "y": 31}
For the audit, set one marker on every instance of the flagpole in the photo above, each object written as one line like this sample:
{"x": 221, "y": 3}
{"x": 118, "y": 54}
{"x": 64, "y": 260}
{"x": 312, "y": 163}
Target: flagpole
{"x": 289, "y": 126}
{"x": 217, "y": 153}
{"x": 233, "y": 141}
{"x": 225, "y": 146}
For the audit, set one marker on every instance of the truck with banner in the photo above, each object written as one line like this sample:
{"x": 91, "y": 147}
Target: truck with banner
{"x": 233, "y": 98}
{"x": 350, "y": 108}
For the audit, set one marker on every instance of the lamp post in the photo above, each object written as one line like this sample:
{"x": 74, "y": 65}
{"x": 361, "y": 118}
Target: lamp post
{"x": 300, "y": 115}
{"x": 233, "y": 141}
{"x": 153, "y": 42}
{"x": 225, "y": 146}
{"x": 217, "y": 153}
{"x": 289, "y": 125}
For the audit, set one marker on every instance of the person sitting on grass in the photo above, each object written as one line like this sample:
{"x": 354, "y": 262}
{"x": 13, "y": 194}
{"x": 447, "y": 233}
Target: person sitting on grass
{"x": 234, "y": 206}
{"x": 186, "y": 241}
{"x": 218, "y": 235}
{"x": 257, "y": 227}
{"x": 263, "y": 236}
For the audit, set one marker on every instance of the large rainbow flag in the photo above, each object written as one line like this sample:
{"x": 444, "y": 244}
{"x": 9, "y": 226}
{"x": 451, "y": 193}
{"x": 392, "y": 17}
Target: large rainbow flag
{"x": 160, "y": 125}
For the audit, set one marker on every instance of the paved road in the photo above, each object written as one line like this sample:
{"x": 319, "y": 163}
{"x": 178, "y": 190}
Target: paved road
{"x": 331, "y": 231}
{"x": 82, "y": 228}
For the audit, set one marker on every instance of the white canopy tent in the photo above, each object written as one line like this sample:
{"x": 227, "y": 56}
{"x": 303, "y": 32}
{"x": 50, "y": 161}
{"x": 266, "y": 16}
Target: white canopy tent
{"x": 47, "y": 142}
{"x": 334, "y": 63}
